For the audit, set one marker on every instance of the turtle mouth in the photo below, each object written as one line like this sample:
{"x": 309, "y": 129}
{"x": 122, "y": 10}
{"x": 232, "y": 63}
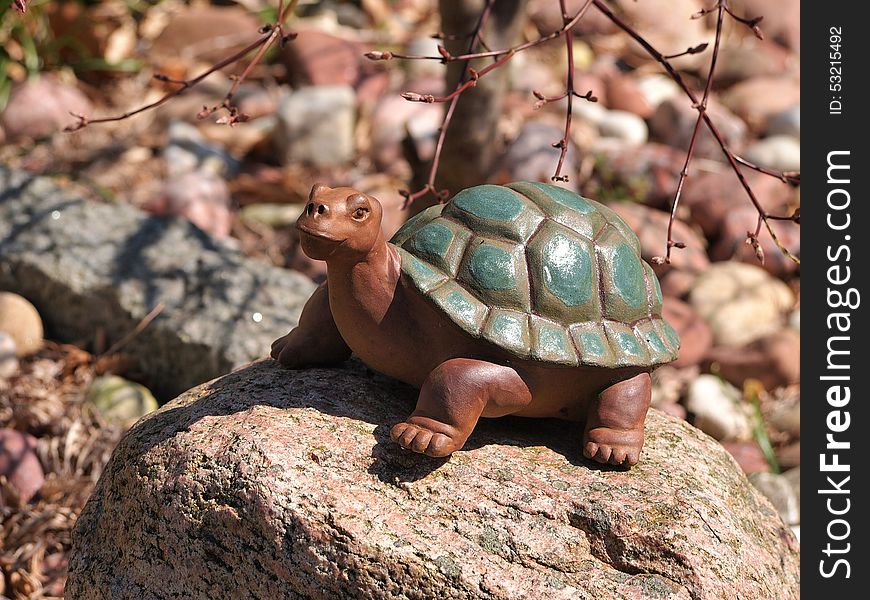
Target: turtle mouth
{"x": 318, "y": 234}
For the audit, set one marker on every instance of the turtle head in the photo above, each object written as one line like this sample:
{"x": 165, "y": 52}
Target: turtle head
{"x": 339, "y": 222}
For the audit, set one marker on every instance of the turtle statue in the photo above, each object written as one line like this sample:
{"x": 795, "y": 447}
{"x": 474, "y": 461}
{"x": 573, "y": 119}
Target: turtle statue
{"x": 525, "y": 299}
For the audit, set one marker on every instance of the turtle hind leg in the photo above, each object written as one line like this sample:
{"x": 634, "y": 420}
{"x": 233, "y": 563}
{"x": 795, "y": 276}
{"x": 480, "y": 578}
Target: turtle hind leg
{"x": 614, "y": 422}
{"x": 452, "y": 399}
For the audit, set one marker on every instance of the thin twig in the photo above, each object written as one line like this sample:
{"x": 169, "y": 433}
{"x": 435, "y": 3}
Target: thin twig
{"x": 500, "y": 57}
{"x": 702, "y": 110}
{"x": 429, "y": 188}
{"x": 730, "y": 157}
{"x": 271, "y": 34}
{"x": 140, "y": 327}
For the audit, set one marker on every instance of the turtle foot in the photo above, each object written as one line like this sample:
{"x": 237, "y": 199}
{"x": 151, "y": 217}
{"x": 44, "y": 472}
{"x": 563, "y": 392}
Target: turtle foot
{"x": 613, "y": 446}
{"x": 427, "y": 436}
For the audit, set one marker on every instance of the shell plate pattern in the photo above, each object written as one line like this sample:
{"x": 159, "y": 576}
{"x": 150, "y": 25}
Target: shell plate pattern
{"x": 542, "y": 273}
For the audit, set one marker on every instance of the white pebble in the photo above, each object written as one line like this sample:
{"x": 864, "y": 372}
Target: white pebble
{"x": 624, "y": 126}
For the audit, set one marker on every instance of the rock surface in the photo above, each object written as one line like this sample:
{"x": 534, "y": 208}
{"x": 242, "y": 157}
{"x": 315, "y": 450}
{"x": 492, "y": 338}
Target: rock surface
{"x": 88, "y": 265}
{"x": 316, "y": 125}
{"x": 269, "y": 483}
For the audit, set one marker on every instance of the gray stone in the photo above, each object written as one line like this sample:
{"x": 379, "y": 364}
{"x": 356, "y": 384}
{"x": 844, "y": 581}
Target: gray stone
{"x": 532, "y": 157}
{"x": 188, "y": 150}
{"x": 624, "y": 126}
{"x": 793, "y": 477}
{"x": 741, "y": 302}
{"x": 779, "y": 152}
{"x": 788, "y": 122}
{"x": 87, "y": 266}
{"x": 269, "y": 483}
{"x": 778, "y": 489}
{"x": 719, "y": 409}
{"x": 316, "y": 126}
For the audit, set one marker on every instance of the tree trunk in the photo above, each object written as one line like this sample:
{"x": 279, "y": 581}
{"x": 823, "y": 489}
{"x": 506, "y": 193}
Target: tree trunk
{"x": 470, "y": 148}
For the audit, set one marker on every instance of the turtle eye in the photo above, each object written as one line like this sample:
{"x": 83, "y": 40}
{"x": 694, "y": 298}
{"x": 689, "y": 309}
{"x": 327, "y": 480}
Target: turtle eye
{"x": 360, "y": 213}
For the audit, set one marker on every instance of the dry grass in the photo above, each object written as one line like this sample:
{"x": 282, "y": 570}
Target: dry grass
{"x": 46, "y": 399}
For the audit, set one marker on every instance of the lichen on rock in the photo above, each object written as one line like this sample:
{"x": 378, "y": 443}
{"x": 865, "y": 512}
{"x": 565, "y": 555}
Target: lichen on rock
{"x": 268, "y": 483}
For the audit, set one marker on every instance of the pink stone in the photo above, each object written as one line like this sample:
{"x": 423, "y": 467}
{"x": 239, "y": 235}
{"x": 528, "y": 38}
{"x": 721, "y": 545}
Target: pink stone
{"x": 19, "y": 464}
{"x": 277, "y": 483}
{"x": 695, "y": 335}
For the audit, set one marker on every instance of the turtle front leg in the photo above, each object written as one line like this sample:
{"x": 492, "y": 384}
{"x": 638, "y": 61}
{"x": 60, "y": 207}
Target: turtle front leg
{"x": 614, "y": 422}
{"x": 316, "y": 340}
{"x": 454, "y": 396}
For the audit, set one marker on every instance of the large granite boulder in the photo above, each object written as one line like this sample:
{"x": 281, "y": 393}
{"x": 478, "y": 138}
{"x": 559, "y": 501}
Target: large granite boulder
{"x": 90, "y": 265}
{"x": 268, "y": 483}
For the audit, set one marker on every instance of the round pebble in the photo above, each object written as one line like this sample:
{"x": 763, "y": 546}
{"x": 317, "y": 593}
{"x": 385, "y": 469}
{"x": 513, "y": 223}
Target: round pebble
{"x": 20, "y": 320}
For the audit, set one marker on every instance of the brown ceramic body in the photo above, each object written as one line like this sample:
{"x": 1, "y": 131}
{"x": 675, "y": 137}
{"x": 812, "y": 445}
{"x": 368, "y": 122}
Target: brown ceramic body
{"x": 369, "y": 308}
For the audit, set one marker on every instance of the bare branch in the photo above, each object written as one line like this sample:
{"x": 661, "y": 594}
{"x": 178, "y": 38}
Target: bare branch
{"x": 270, "y": 35}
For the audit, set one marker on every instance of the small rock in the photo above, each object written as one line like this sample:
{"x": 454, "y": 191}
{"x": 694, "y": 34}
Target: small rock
{"x": 201, "y": 197}
{"x": 665, "y": 24}
{"x": 188, "y": 150}
{"x": 677, "y": 284}
{"x": 42, "y": 106}
{"x": 651, "y": 227}
{"x": 21, "y": 321}
{"x": 748, "y": 455}
{"x": 316, "y": 126}
{"x": 647, "y": 174}
{"x": 732, "y": 245}
{"x": 624, "y": 126}
{"x": 191, "y": 34}
{"x": 317, "y": 58}
{"x": 718, "y": 409}
{"x": 747, "y": 58}
{"x": 695, "y": 335}
{"x": 740, "y": 302}
{"x": 120, "y": 401}
{"x": 711, "y": 196}
{"x": 779, "y": 491}
{"x": 756, "y": 100}
{"x": 774, "y": 360}
{"x": 19, "y": 464}
{"x": 779, "y": 152}
{"x": 783, "y": 410}
{"x": 782, "y": 19}
{"x": 394, "y": 118}
{"x": 669, "y": 384}
{"x": 789, "y": 456}
{"x": 673, "y": 123}
{"x": 623, "y": 93}
{"x": 657, "y": 89}
{"x": 593, "y": 113}
{"x": 788, "y": 122}
{"x": 8, "y": 356}
{"x": 531, "y": 156}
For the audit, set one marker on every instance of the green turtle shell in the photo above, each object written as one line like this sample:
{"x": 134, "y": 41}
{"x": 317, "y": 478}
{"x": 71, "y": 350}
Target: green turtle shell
{"x": 542, "y": 273}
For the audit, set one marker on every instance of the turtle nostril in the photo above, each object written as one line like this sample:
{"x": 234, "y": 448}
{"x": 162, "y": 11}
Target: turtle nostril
{"x": 310, "y": 208}
{"x": 321, "y": 209}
